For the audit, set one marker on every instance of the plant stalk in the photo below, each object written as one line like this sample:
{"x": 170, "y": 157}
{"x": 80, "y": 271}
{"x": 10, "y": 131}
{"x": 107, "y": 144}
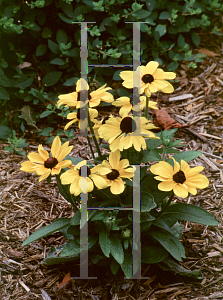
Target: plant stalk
{"x": 94, "y": 138}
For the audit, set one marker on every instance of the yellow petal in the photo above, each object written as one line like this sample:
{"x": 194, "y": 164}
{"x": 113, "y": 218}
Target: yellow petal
{"x": 168, "y": 89}
{"x": 114, "y": 159}
{"x": 117, "y": 186}
{"x": 82, "y": 85}
{"x": 166, "y": 185}
{"x": 151, "y": 67}
{"x": 55, "y": 149}
{"x": 180, "y": 190}
{"x": 99, "y": 181}
{"x": 28, "y": 166}
{"x": 37, "y": 158}
{"x": 45, "y": 175}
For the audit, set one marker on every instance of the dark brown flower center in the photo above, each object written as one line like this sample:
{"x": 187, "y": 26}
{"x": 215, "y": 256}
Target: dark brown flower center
{"x": 113, "y": 175}
{"x": 179, "y": 177}
{"x": 128, "y": 125}
{"x": 81, "y": 114}
{"x": 84, "y": 170}
{"x": 148, "y": 78}
{"x": 104, "y": 120}
{"x": 50, "y": 163}
{"x": 83, "y": 95}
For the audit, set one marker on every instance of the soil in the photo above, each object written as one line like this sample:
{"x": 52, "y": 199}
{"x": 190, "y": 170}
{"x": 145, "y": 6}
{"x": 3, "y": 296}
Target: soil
{"x": 27, "y": 205}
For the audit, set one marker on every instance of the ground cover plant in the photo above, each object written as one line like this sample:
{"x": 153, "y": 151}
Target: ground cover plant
{"x": 113, "y": 179}
{"x": 33, "y": 74}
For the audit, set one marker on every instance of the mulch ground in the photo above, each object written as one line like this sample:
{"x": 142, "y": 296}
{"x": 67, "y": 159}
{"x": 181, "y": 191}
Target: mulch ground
{"x": 26, "y": 205}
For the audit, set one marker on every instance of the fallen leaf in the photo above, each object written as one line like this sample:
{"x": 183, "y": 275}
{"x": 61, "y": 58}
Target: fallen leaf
{"x": 65, "y": 281}
{"x": 207, "y": 52}
{"x": 163, "y": 119}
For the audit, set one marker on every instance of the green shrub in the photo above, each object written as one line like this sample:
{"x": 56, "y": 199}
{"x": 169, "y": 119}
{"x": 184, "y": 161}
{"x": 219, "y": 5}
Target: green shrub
{"x": 40, "y": 46}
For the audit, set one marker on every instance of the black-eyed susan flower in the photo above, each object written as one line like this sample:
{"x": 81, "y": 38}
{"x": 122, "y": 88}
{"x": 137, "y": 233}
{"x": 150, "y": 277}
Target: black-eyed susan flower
{"x": 126, "y": 105}
{"x": 71, "y": 99}
{"x": 115, "y": 170}
{"x": 181, "y": 178}
{"x": 44, "y": 165}
{"x": 81, "y": 118}
{"x": 99, "y": 123}
{"x": 123, "y": 133}
{"x": 82, "y": 92}
{"x": 82, "y": 179}
{"x": 150, "y": 79}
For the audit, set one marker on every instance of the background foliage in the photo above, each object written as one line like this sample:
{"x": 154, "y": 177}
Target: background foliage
{"x": 40, "y": 49}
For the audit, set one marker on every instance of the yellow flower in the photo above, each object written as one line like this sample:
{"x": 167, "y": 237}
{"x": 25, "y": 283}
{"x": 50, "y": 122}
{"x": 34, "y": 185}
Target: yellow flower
{"x": 123, "y": 133}
{"x": 82, "y": 90}
{"x": 98, "y": 125}
{"x": 81, "y": 118}
{"x": 148, "y": 79}
{"x": 71, "y": 99}
{"x": 114, "y": 171}
{"x": 181, "y": 178}
{"x": 44, "y": 165}
{"x": 127, "y": 105}
{"x": 81, "y": 183}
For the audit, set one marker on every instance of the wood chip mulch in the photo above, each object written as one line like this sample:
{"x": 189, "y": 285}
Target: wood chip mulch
{"x": 26, "y": 205}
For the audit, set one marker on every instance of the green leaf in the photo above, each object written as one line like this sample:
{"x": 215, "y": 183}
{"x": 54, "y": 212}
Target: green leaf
{"x": 181, "y": 41}
{"x": 105, "y": 243}
{"x": 142, "y": 13}
{"x": 46, "y": 131}
{"x": 23, "y": 82}
{"x": 76, "y": 219}
{"x": 160, "y": 30}
{"x": 46, "y": 33}
{"x": 57, "y": 61}
{"x": 129, "y": 267}
{"x": 117, "y": 249}
{"x": 46, "y": 113}
{"x": 195, "y": 38}
{"x": 172, "y": 66}
{"x": 61, "y": 37}
{"x": 4, "y": 81}
{"x": 189, "y": 212}
{"x": 152, "y": 155}
{"x": 53, "y": 257}
{"x": 64, "y": 18}
{"x": 53, "y": 47}
{"x": 169, "y": 264}
{"x": 114, "y": 266}
{"x": 122, "y": 92}
{"x": 147, "y": 202}
{"x": 71, "y": 248}
{"x": 26, "y": 114}
{"x": 152, "y": 144}
{"x": 165, "y": 15}
{"x": 51, "y": 78}
{"x": 150, "y": 185}
{"x": 56, "y": 225}
{"x": 186, "y": 156}
{"x": 5, "y": 132}
{"x": 153, "y": 254}
{"x": 169, "y": 242}
{"x": 71, "y": 81}
{"x": 4, "y": 94}
{"x": 116, "y": 75}
{"x": 40, "y": 50}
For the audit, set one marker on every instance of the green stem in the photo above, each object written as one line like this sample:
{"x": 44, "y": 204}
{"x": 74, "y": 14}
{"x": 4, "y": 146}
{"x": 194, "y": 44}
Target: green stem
{"x": 147, "y": 105}
{"x": 89, "y": 143}
{"x": 94, "y": 138}
{"x": 164, "y": 153}
{"x": 166, "y": 205}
